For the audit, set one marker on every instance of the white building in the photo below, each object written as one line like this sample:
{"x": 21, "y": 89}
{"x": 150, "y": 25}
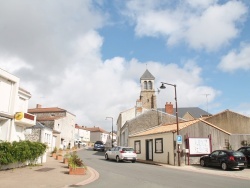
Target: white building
{"x": 60, "y": 121}
{"x": 98, "y": 134}
{"x": 82, "y": 134}
{"x": 14, "y": 118}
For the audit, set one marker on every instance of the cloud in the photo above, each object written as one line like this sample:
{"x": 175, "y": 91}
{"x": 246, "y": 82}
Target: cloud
{"x": 236, "y": 60}
{"x": 200, "y": 24}
{"x": 54, "y": 47}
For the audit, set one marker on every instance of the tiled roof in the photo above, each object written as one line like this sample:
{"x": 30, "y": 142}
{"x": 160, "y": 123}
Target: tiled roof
{"x": 173, "y": 127}
{"x": 196, "y": 112}
{"x": 147, "y": 76}
{"x": 80, "y": 127}
{"x": 96, "y": 129}
{"x": 42, "y": 110}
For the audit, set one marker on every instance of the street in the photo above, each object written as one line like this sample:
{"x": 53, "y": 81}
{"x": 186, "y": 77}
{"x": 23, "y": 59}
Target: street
{"x": 127, "y": 174}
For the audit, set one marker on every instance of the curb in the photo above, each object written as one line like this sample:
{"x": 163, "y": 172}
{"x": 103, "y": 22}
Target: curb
{"x": 94, "y": 175}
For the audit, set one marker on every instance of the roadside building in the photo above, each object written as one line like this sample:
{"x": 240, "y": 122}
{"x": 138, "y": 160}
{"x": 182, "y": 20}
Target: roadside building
{"x": 60, "y": 121}
{"x": 199, "y": 137}
{"x": 98, "y": 134}
{"x": 82, "y": 134}
{"x": 14, "y": 100}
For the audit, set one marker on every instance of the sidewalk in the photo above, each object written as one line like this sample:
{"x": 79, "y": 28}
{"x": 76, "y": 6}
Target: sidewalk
{"x": 244, "y": 174}
{"x": 52, "y": 174}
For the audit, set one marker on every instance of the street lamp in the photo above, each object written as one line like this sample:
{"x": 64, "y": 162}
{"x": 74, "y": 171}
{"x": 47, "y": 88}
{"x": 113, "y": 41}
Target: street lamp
{"x": 176, "y": 114}
{"x": 112, "y": 130}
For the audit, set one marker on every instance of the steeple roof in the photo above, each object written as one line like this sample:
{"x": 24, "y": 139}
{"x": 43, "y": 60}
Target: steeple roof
{"x": 147, "y": 76}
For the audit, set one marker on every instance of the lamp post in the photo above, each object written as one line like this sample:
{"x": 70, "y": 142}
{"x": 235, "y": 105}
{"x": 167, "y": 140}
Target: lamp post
{"x": 176, "y": 114}
{"x": 112, "y": 131}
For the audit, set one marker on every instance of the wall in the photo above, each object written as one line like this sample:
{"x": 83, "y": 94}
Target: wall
{"x": 166, "y": 157}
{"x": 149, "y": 119}
{"x": 232, "y": 122}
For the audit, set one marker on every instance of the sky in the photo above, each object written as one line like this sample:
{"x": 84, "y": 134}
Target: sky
{"x": 88, "y": 56}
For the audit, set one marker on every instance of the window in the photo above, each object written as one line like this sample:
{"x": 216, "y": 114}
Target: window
{"x": 150, "y": 85}
{"x": 145, "y": 85}
{"x": 137, "y": 146}
{"x": 158, "y": 145}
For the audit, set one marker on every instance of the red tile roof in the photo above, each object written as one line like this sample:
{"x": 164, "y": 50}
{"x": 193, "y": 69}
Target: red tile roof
{"x": 42, "y": 110}
{"x": 96, "y": 129}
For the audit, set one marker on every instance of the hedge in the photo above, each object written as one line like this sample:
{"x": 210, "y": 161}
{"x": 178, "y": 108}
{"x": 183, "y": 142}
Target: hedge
{"x": 20, "y": 151}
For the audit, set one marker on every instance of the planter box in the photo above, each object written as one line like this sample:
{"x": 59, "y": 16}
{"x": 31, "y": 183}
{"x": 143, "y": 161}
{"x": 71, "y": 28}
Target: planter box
{"x": 77, "y": 171}
{"x": 59, "y": 157}
{"x": 54, "y": 155}
{"x": 66, "y": 160}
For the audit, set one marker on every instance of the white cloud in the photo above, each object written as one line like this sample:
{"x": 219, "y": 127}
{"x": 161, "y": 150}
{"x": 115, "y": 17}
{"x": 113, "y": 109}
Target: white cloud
{"x": 57, "y": 55}
{"x": 13, "y": 64}
{"x": 236, "y": 60}
{"x": 200, "y": 24}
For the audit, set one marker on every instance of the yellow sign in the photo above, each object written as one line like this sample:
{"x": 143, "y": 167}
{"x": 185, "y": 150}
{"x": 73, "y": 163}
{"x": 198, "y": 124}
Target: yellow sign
{"x": 19, "y": 115}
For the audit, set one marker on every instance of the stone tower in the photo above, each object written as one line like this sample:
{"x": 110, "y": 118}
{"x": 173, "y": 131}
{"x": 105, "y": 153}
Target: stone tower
{"x": 147, "y": 96}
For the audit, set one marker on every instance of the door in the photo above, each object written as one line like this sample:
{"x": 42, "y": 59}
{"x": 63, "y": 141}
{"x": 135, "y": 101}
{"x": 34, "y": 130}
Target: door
{"x": 149, "y": 150}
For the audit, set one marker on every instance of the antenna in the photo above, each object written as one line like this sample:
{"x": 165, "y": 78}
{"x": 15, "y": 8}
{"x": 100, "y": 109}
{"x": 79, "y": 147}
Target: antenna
{"x": 206, "y": 98}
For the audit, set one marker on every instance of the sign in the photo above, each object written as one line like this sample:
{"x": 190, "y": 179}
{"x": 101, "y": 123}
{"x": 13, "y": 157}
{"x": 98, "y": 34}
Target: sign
{"x": 179, "y": 139}
{"x": 198, "y": 146}
{"x": 19, "y": 115}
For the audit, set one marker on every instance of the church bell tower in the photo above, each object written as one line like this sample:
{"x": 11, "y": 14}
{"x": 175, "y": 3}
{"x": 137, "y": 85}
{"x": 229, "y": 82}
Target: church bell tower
{"x": 147, "y": 95}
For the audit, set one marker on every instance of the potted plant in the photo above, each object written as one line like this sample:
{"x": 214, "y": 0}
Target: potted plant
{"x": 76, "y": 165}
{"x": 54, "y": 152}
{"x": 59, "y": 157}
{"x": 66, "y": 158}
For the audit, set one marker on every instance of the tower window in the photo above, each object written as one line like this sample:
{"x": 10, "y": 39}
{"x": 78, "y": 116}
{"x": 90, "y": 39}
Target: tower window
{"x": 150, "y": 85}
{"x": 145, "y": 85}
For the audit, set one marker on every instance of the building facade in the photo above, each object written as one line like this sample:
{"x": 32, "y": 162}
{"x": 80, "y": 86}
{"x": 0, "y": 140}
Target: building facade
{"x": 14, "y": 100}
{"x": 60, "y": 121}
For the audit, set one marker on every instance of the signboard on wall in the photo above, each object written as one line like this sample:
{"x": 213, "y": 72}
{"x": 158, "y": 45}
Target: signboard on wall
{"x": 199, "y": 146}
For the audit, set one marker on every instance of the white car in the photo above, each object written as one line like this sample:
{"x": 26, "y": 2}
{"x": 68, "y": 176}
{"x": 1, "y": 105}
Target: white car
{"x": 121, "y": 153}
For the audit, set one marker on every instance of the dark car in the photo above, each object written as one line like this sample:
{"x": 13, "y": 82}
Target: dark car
{"x": 99, "y": 146}
{"x": 226, "y": 159}
{"x": 246, "y": 151}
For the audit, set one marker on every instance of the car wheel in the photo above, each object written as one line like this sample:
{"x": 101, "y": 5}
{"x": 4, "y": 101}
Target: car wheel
{"x": 202, "y": 163}
{"x": 133, "y": 161}
{"x": 224, "y": 166}
{"x": 117, "y": 159}
{"x": 106, "y": 157}
{"x": 241, "y": 168}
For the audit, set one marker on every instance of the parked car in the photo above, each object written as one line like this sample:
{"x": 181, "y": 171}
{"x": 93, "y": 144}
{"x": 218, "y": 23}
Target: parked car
{"x": 121, "y": 153}
{"x": 246, "y": 151}
{"x": 99, "y": 146}
{"x": 226, "y": 159}
{"x": 80, "y": 142}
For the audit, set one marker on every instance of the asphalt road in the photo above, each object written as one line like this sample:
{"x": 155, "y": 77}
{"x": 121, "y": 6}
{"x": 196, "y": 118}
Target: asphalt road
{"x": 130, "y": 175}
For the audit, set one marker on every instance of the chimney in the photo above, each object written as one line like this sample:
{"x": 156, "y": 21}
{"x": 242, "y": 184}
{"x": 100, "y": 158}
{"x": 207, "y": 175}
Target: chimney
{"x": 38, "y": 106}
{"x": 169, "y": 108}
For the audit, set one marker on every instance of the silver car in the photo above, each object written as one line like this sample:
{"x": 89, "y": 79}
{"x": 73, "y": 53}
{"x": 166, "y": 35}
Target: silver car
{"x": 121, "y": 153}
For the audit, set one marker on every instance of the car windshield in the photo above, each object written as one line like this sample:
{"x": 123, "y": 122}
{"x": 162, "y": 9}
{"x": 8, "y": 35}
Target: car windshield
{"x": 99, "y": 142}
{"x": 127, "y": 149}
{"x": 238, "y": 154}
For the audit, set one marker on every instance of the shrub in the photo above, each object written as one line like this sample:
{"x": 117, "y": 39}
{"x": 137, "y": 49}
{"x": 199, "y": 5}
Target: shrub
{"x": 75, "y": 161}
{"x": 20, "y": 151}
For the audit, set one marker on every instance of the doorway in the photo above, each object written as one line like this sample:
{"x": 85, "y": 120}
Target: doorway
{"x": 149, "y": 149}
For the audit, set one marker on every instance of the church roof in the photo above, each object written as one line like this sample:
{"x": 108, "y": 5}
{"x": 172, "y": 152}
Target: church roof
{"x": 195, "y": 112}
{"x": 147, "y": 76}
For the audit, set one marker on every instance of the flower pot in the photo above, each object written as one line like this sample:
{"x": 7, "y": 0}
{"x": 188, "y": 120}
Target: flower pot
{"x": 77, "y": 171}
{"x": 66, "y": 160}
{"x": 59, "y": 157}
{"x": 54, "y": 155}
